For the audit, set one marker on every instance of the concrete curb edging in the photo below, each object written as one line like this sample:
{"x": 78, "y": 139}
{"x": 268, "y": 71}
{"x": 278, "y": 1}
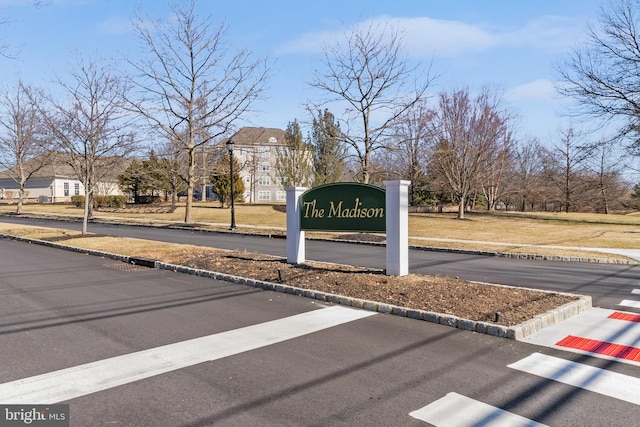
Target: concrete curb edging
{"x": 516, "y": 332}
{"x": 123, "y": 258}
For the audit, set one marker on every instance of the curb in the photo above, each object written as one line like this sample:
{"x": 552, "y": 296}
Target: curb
{"x": 516, "y": 332}
{"x": 526, "y": 256}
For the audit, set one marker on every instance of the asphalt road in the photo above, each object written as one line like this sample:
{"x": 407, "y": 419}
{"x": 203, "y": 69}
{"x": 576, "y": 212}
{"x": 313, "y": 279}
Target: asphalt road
{"x": 608, "y": 284}
{"x": 61, "y": 310}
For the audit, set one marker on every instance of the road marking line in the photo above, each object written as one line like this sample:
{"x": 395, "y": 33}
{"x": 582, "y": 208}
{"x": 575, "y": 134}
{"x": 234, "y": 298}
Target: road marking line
{"x": 456, "y": 410}
{"x": 635, "y": 291}
{"x": 597, "y": 380}
{"x": 601, "y": 347}
{"x": 630, "y": 303}
{"x": 92, "y": 377}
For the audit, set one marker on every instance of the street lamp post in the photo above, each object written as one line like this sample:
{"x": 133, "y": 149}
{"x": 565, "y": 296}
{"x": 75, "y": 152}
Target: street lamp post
{"x": 233, "y": 206}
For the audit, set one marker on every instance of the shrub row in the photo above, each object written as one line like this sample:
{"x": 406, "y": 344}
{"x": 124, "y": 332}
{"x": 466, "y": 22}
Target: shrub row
{"x": 101, "y": 201}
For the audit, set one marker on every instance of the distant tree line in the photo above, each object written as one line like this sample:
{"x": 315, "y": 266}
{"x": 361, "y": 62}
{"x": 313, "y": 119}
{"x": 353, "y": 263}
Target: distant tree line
{"x": 187, "y": 90}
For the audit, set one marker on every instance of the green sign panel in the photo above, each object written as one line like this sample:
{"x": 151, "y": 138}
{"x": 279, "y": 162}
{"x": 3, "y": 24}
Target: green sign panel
{"x": 343, "y": 207}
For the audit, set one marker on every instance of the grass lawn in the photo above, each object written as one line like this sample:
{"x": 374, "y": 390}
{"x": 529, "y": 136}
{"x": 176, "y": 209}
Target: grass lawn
{"x": 504, "y": 232}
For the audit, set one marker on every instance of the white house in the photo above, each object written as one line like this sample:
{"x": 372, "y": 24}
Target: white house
{"x": 56, "y": 182}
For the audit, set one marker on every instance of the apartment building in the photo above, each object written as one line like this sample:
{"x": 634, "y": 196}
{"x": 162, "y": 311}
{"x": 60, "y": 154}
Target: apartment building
{"x": 255, "y": 149}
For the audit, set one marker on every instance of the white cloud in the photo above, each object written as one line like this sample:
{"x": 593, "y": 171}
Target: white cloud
{"x": 428, "y": 37}
{"x": 425, "y": 37}
{"x": 547, "y": 33}
{"x": 422, "y": 37}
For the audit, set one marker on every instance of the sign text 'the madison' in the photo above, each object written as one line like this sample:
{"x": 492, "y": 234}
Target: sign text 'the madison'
{"x": 343, "y": 207}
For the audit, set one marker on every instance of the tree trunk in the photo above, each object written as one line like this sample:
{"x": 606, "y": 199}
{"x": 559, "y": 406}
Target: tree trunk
{"x": 461, "y": 207}
{"x": 20, "y": 199}
{"x": 190, "y": 182}
{"x": 85, "y": 217}
{"x": 366, "y": 176}
{"x": 605, "y": 201}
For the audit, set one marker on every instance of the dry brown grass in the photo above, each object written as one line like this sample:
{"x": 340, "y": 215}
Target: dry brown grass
{"x": 501, "y": 232}
{"x": 264, "y": 215}
{"x": 572, "y": 229}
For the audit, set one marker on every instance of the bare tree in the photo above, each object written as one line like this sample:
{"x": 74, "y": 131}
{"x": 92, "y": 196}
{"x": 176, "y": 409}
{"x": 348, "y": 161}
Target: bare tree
{"x": 192, "y": 87}
{"x": 203, "y": 169}
{"x": 25, "y": 147}
{"x": 91, "y": 126}
{"x": 606, "y": 169}
{"x": 467, "y": 133}
{"x": 412, "y": 132}
{"x": 369, "y": 74}
{"x": 526, "y": 172}
{"x": 167, "y": 168}
{"x": 565, "y": 165}
{"x": 602, "y": 75}
{"x": 496, "y": 169}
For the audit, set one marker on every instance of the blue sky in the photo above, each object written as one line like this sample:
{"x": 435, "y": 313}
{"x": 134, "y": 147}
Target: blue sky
{"x": 511, "y": 44}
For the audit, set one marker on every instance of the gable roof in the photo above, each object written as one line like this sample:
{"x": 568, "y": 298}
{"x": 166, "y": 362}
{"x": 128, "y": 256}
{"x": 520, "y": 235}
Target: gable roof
{"x": 258, "y": 136}
{"x": 57, "y": 167}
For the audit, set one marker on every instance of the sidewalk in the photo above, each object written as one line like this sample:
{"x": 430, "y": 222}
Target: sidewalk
{"x": 630, "y": 253}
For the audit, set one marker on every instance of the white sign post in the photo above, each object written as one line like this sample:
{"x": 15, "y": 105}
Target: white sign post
{"x": 397, "y": 219}
{"x": 295, "y": 236}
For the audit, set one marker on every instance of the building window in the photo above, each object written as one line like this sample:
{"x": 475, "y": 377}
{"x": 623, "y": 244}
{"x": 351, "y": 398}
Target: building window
{"x": 264, "y": 167}
{"x": 264, "y": 196}
{"x": 76, "y": 188}
{"x": 281, "y": 196}
{"x": 264, "y": 180}
{"x": 66, "y": 189}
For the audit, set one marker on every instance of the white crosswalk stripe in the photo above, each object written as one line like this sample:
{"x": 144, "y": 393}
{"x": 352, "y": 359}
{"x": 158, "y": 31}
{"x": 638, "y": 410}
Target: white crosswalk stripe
{"x": 629, "y": 303}
{"x": 612, "y": 384}
{"x": 456, "y": 410}
{"x": 92, "y": 377}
